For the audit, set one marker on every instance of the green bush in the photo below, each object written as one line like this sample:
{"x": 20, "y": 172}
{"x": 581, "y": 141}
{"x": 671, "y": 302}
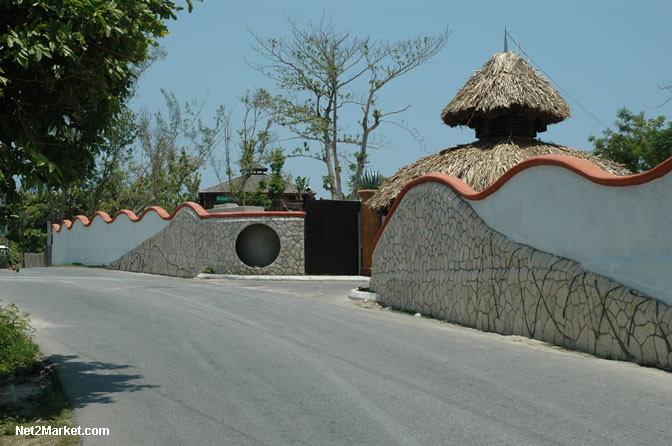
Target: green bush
{"x": 11, "y": 257}
{"x": 17, "y": 350}
{"x": 370, "y": 180}
{"x": 34, "y": 240}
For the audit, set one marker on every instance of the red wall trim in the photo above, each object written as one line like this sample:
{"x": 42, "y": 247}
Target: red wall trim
{"x": 579, "y": 166}
{"x": 202, "y": 213}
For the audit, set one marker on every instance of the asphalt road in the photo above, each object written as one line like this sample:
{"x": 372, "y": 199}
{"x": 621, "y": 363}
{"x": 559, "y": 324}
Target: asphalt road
{"x": 164, "y": 361}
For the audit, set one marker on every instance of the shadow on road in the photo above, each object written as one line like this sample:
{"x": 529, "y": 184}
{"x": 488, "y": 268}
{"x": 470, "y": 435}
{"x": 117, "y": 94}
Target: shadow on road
{"x": 94, "y": 382}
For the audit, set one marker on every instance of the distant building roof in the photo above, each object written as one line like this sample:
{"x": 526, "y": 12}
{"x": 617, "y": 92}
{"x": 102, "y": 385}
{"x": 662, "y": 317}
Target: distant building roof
{"x": 251, "y": 185}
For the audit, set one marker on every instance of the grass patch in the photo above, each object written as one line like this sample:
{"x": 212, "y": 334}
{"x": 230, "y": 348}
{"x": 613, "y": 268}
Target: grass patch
{"x": 29, "y": 394}
{"x": 18, "y": 353}
{"x": 45, "y": 406}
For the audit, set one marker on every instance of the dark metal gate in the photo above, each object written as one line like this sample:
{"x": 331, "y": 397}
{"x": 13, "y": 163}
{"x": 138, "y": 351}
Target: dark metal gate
{"x": 332, "y": 237}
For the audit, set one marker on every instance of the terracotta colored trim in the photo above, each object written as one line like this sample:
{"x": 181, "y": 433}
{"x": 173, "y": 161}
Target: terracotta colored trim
{"x": 202, "y": 213}
{"x": 581, "y": 167}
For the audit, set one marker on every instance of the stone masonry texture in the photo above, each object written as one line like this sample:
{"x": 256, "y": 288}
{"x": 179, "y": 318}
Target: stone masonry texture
{"x": 437, "y": 257}
{"x": 189, "y": 244}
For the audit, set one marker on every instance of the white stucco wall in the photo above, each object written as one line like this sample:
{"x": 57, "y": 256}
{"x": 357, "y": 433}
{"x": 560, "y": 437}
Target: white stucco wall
{"x": 619, "y": 232}
{"x": 102, "y": 243}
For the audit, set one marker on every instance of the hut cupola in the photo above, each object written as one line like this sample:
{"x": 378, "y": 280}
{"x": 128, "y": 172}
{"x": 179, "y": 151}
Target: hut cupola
{"x": 506, "y": 97}
{"x": 256, "y": 169}
{"x": 507, "y": 102}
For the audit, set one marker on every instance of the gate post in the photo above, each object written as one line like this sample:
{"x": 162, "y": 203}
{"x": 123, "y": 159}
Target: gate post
{"x": 371, "y": 221}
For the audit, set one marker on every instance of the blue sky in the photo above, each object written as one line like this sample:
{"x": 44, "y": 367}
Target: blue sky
{"x": 606, "y": 55}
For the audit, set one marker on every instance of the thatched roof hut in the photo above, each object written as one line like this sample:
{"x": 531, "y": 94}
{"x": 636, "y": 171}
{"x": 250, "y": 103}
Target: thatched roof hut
{"x": 507, "y": 102}
{"x": 506, "y": 86}
{"x": 479, "y": 164}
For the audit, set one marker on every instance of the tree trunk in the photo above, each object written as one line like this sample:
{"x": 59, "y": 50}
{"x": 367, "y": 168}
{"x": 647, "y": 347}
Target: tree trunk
{"x": 52, "y": 207}
{"x": 64, "y": 197}
{"x": 328, "y": 152}
{"x": 334, "y": 141}
{"x": 361, "y": 159}
{"x": 243, "y": 185}
{"x": 366, "y": 130}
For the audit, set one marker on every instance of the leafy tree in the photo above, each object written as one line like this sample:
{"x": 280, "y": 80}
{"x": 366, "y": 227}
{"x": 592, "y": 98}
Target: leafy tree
{"x": 255, "y": 139}
{"x": 147, "y": 160}
{"x": 386, "y": 62}
{"x": 269, "y": 193}
{"x": 99, "y": 189}
{"x": 173, "y": 148}
{"x": 103, "y": 184}
{"x": 278, "y": 181}
{"x": 66, "y": 68}
{"x": 26, "y": 220}
{"x": 321, "y": 72}
{"x": 253, "y": 147}
{"x": 302, "y": 184}
{"x": 639, "y": 143}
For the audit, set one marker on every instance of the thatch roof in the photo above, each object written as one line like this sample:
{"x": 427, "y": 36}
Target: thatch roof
{"x": 479, "y": 164}
{"x": 506, "y": 84}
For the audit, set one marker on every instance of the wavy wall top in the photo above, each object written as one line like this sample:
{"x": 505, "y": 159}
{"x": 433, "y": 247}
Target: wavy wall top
{"x": 97, "y": 241}
{"x": 614, "y": 226}
{"x": 163, "y": 214}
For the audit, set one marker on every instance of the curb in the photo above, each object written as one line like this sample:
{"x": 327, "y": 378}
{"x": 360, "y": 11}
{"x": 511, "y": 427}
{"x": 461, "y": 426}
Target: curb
{"x": 366, "y": 296}
{"x": 300, "y": 278}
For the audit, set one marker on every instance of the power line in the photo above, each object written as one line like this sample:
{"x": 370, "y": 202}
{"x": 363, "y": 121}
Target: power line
{"x": 554, "y": 82}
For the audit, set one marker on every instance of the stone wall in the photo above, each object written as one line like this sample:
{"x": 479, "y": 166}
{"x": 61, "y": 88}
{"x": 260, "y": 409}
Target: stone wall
{"x": 191, "y": 243}
{"x": 437, "y": 257}
{"x": 617, "y": 227}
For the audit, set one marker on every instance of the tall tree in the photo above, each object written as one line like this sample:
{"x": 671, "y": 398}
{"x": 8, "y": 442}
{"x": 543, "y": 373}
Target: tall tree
{"x": 66, "y": 68}
{"x": 321, "y": 72}
{"x": 269, "y": 191}
{"x": 252, "y": 147}
{"x": 386, "y": 62}
{"x": 173, "y": 148}
{"x": 638, "y": 142}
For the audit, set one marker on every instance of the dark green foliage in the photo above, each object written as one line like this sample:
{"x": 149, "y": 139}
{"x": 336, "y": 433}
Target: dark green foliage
{"x": 17, "y": 351}
{"x": 272, "y": 190}
{"x": 278, "y": 182}
{"x": 11, "y": 257}
{"x": 301, "y": 184}
{"x": 34, "y": 240}
{"x": 26, "y": 221}
{"x": 66, "y": 68}
{"x": 639, "y": 143}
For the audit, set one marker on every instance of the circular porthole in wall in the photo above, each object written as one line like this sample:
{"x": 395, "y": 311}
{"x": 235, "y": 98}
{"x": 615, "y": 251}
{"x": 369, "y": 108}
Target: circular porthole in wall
{"x": 257, "y": 246}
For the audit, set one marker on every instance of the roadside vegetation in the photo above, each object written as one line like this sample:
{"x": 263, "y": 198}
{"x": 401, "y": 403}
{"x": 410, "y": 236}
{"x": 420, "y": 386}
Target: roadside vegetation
{"x": 11, "y": 257}
{"x": 18, "y": 353}
{"x": 29, "y": 394}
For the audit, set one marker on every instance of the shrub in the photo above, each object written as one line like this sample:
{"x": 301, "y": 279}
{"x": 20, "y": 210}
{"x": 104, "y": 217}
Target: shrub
{"x": 17, "y": 350}
{"x": 370, "y": 180}
{"x": 34, "y": 240}
{"x": 11, "y": 257}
